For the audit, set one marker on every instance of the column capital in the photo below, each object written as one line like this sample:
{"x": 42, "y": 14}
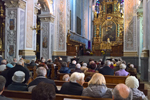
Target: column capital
{"x": 47, "y": 18}
{"x": 15, "y": 3}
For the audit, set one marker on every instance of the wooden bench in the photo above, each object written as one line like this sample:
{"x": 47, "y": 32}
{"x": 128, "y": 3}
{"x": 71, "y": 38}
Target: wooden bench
{"x": 108, "y": 78}
{"x": 20, "y": 95}
{"x": 109, "y": 85}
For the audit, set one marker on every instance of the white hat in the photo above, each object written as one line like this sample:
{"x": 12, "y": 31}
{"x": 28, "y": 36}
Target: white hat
{"x": 78, "y": 66}
{"x": 18, "y": 77}
{"x": 123, "y": 66}
{"x": 132, "y": 82}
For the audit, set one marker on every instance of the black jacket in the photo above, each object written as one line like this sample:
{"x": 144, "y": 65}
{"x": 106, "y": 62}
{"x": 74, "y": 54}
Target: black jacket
{"x": 18, "y": 87}
{"x": 42, "y": 79}
{"x": 106, "y": 70}
{"x": 13, "y": 70}
{"x": 71, "y": 88}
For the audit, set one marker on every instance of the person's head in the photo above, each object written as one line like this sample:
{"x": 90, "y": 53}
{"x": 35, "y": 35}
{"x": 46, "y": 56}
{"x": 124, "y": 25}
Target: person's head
{"x": 122, "y": 66}
{"x": 4, "y": 61}
{"x": 118, "y": 63}
{"x": 18, "y": 77}
{"x": 131, "y": 66}
{"x": 74, "y": 62}
{"x": 122, "y": 92}
{"x": 15, "y": 60}
{"x": 41, "y": 71}
{"x": 93, "y": 66}
{"x": 49, "y": 60}
{"x": 77, "y": 78}
{"x": 132, "y": 82}
{"x": 2, "y": 84}
{"x": 84, "y": 64}
{"x": 32, "y": 60}
{"x": 107, "y": 63}
{"x": 66, "y": 77}
{"x": 43, "y": 91}
{"x": 43, "y": 60}
{"x": 97, "y": 79}
{"x": 64, "y": 64}
{"x": 21, "y": 62}
{"x": 92, "y": 62}
{"x": 78, "y": 65}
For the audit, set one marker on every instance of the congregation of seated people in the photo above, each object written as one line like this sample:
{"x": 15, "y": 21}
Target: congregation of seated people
{"x": 16, "y": 76}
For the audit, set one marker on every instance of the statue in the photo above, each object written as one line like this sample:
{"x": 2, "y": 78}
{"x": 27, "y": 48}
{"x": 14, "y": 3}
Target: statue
{"x": 95, "y": 14}
{"x": 108, "y": 40}
{"x": 97, "y": 32}
{"x": 100, "y": 8}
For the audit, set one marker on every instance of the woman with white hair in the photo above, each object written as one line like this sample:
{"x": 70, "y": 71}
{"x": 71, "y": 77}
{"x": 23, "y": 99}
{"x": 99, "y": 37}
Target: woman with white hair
{"x": 74, "y": 87}
{"x": 77, "y": 69}
{"x": 122, "y": 71}
{"x": 97, "y": 87}
{"x": 133, "y": 83}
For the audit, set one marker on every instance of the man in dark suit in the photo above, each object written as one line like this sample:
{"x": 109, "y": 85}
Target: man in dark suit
{"x": 106, "y": 70}
{"x": 18, "y": 67}
{"x": 74, "y": 87}
{"x": 41, "y": 73}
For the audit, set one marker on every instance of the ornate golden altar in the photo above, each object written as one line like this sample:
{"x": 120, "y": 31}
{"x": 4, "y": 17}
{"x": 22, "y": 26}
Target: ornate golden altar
{"x": 108, "y": 26}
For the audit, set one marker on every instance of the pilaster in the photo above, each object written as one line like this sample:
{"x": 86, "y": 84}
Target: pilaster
{"x": 14, "y": 27}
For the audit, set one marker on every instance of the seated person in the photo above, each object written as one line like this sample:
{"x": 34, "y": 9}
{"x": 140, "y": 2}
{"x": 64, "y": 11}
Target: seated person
{"x": 97, "y": 87}
{"x": 84, "y": 67}
{"x": 64, "y": 68}
{"x": 32, "y": 63}
{"x": 132, "y": 70}
{"x": 133, "y": 83}
{"x": 2, "y": 87}
{"x": 122, "y": 71}
{"x": 72, "y": 65}
{"x": 106, "y": 70}
{"x": 122, "y": 92}
{"x": 3, "y": 65}
{"x": 74, "y": 87}
{"x": 92, "y": 68}
{"x": 41, "y": 73}
{"x": 17, "y": 84}
{"x": 43, "y": 91}
{"x": 117, "y": 66}
{"x": 78, "y": 66}
{"x": 66, "y": 77}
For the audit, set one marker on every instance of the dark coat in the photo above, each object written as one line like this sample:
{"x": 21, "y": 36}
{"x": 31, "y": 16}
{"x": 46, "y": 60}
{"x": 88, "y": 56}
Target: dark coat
{"x": 42, "y": 79}
{"x": 71, "y": 88}
{"x": 13, "y": 70}
{"x": 32, "y": 64}
{"x": 18, "y": 87}
{"x": 64, "y": 70}
{"x": 78, "y": 70}
{"x": 4, "y": 98}
{"x": 106, "y": 70}
{"x": 72, "y": 66}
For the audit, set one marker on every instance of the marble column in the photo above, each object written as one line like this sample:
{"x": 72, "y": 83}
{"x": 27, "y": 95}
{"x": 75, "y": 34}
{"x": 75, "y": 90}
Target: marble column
{"x": 47, "y": 29}
{"x": 14, "y": 27}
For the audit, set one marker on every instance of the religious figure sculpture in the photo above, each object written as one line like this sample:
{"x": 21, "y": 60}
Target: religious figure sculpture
{"x": 95, "y": 14}
{"x": 100, "y": 8}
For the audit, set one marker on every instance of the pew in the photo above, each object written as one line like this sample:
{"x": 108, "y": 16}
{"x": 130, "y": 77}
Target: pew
{"x": 109, "y": 85}
{"x": 108, "y": 78}
{"x": 21, "y": 95}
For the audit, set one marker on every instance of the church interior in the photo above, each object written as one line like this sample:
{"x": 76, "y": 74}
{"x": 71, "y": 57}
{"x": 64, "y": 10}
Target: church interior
{"x": 79, "y": 30}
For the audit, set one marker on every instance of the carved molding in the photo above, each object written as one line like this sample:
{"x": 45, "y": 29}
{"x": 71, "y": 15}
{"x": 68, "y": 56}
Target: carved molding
{"x": 47, "y": 19}
{"x": 15, "y": 3}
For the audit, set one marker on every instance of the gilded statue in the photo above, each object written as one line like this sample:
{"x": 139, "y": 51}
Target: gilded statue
{"x": 95, "y": 14}
{"x": 100, "y": 8}
{"x": 97, "y": 32}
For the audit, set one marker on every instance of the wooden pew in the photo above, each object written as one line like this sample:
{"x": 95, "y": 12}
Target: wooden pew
{"x": 109, "y": 85}
{"x": 108, "y": 78}
{"x": 21, "y": 95}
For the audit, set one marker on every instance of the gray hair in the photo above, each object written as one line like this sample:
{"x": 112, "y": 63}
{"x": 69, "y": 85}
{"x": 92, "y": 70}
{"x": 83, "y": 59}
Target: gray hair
{"x": 41, "y": 71}
{"x": 64, "y": 64}
{"x": 2, "y": 83}
{"x": 117, "y": 96}
{"x": 20, "y": 62}
{"x": 76, "y": 76}
{"x": 66, "y": 77}
{"x": 107, "y": 63}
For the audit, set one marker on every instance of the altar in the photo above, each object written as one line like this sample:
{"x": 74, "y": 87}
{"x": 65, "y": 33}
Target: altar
{"x": 108, "y": 27}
